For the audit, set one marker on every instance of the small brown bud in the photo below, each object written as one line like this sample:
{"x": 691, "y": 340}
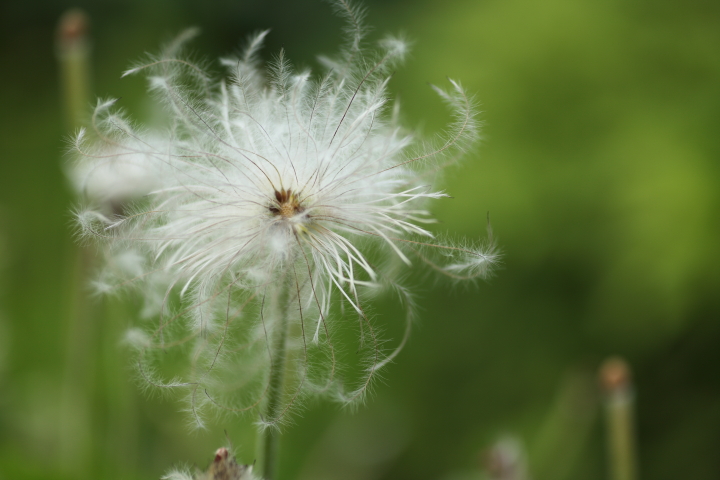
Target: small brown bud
{"x": 615, "y": 375}
{"x": 72, "y": 29}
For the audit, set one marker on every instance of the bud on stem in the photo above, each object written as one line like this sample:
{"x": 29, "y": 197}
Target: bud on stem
{"x": 73, "y": 51}
{"x": 619, "y": 412}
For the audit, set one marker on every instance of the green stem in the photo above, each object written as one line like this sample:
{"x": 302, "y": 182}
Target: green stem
{"x": 80, "y": 371}
{"x": 73, "y": 53}
{"x": 621, "y": 438}
{"x": 616, "y": 378}
{"x": 270, "y": 438}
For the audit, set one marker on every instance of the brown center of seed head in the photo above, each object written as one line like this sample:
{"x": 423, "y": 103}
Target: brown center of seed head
{"x": 286, "y": 204}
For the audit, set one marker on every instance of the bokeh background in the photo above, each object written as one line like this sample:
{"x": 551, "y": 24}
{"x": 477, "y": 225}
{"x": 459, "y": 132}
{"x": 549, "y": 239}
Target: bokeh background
{"x": 600, "y": 167}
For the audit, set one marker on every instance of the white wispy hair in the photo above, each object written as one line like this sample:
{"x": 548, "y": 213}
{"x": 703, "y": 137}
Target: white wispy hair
{"x": 277, "y": 194}
{"x": 117, "y": 169}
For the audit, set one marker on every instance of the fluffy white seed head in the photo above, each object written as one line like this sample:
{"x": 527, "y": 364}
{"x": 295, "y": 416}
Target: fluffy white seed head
{"x": 269, "y": 178}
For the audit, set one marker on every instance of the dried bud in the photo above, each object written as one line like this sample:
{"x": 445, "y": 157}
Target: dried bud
{"x": 223, "y": 467}
{"x": 615, "y": 375}
{"x": 72, "y": 30}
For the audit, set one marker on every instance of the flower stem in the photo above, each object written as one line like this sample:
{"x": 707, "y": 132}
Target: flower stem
{"x": 270, "y": 437}
{"x": 619, "y": 403}
{"x": 73, "y": 51}
{"x": 76, "y": 413}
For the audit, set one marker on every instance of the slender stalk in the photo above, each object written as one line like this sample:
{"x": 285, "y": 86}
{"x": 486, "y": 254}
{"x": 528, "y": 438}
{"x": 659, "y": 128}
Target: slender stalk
{"x": 82, "y": 334}
{"x": 270, "y": 437}
{"x": 619, "y": 403}
{"x": 73, "y": 52}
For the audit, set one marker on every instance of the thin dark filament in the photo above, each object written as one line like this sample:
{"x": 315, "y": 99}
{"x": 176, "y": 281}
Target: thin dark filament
{"x": 320, "y": 310}
{"x": 217, "y": 137}
{"x": 449, "y": 143}
{"x": 367, "y": 75}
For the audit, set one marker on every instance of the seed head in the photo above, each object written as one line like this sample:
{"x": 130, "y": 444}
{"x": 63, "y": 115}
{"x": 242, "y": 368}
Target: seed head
{"x": 276, "y": 194}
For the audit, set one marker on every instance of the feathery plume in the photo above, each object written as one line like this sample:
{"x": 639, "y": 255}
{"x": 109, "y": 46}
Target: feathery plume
{"x": 272, "y": 194}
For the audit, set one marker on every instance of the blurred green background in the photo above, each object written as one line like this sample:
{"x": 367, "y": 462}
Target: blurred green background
{"x": 599, "y": 167}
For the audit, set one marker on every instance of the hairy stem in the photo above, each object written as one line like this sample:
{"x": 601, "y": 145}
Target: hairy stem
{"x": 270, "y": 437}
